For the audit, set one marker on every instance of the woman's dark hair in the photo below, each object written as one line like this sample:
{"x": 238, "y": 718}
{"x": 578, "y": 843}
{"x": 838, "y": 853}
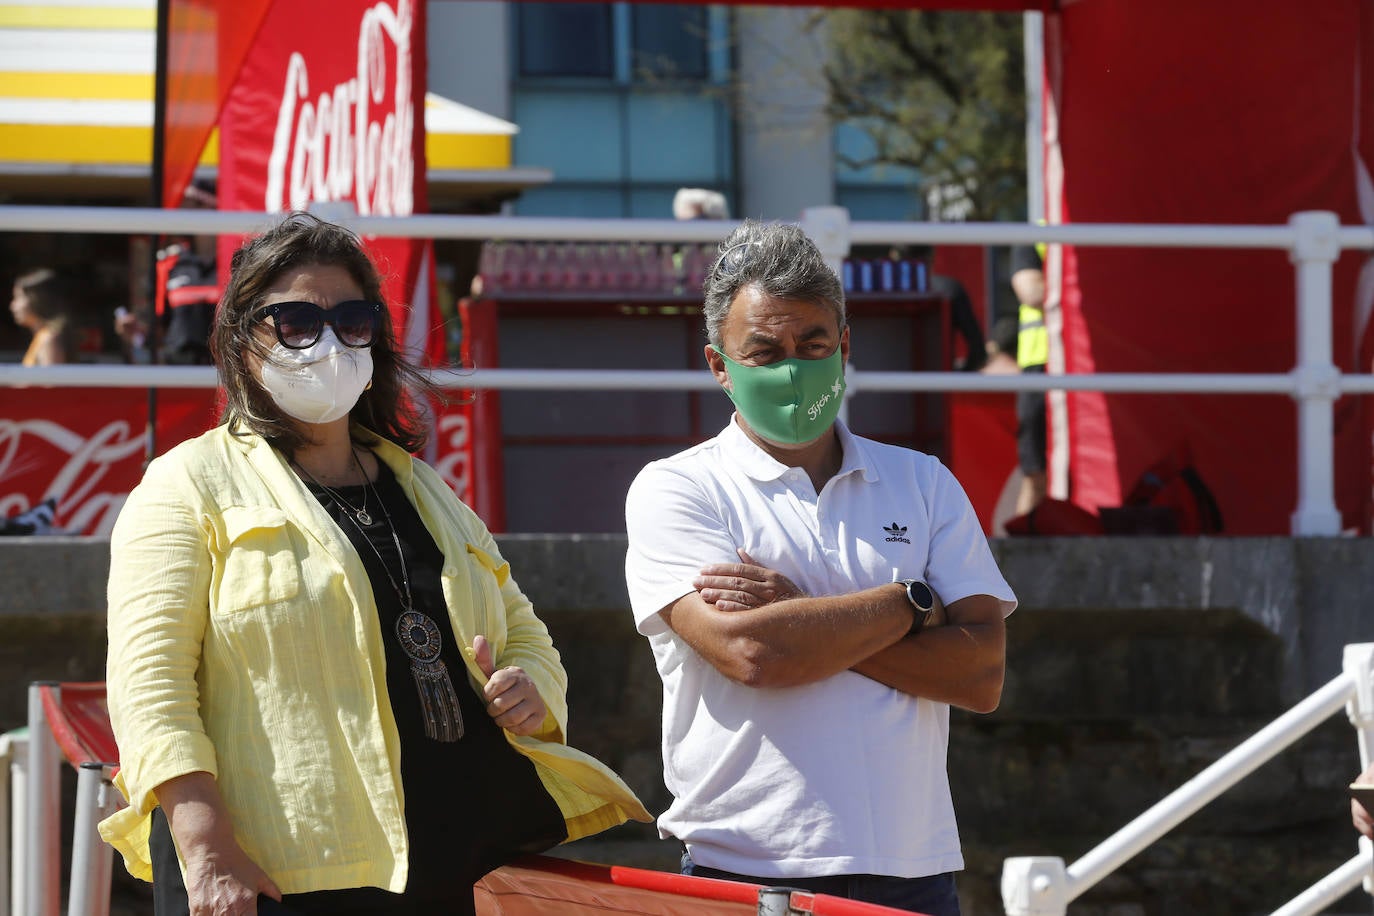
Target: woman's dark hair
{"x": 51, "y": 295}
{"x": 779, "y": 259}
{"x": 302, "y": 240}
{"x": 53, "y": 298}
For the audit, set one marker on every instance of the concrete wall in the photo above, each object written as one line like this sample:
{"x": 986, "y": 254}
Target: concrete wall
{"x": 1133, "y": 663}
{"x": 469, "y": 54}
{"x": 786, "y": 160}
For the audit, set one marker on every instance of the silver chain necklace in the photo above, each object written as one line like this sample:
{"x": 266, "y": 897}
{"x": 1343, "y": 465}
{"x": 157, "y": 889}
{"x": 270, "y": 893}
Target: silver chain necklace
{"x": 417, "y": 632}
{"x": 361, "y": 515}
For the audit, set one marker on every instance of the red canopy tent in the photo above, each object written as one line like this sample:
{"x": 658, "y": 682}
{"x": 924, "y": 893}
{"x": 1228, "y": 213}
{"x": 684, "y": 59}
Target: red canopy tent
{"x": 1227, "y": 112}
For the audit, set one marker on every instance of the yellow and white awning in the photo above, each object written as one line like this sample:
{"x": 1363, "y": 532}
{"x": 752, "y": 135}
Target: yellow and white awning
{"x": 76, "y": 101}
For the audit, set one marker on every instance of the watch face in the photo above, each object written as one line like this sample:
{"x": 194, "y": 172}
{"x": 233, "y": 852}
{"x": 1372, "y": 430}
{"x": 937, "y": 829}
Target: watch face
{"x": 920, "y": 595}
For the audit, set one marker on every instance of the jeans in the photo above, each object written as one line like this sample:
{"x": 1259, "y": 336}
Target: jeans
{"x": 934, "y": 895}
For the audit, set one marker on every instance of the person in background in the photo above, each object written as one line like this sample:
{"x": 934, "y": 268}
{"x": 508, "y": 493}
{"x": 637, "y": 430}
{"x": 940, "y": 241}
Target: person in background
{"x": 689, "y": 262}
{"x": 787, "y": 575}
{"x": 186, "y": 293}
{"x": 1001, "y": 348}
{"x": 44, "y": 302}
{"x": 699, "y": 203}
{"x": 1032, "y": 354}
{"x": 329, "y": 693}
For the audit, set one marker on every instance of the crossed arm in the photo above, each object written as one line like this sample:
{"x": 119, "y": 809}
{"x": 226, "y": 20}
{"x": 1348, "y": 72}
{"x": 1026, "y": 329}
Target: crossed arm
{"x": 756, "y": 627}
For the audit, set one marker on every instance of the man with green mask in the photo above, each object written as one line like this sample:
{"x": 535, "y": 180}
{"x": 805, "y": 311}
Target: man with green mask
{"x": 785, "y": 574}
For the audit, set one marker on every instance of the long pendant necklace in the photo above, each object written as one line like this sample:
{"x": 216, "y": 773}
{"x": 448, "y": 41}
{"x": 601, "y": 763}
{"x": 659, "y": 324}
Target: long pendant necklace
{"x": 417, "y": 632}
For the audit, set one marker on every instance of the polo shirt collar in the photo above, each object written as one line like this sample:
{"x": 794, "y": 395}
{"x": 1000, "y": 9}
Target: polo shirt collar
{"x": 763, "y": 467}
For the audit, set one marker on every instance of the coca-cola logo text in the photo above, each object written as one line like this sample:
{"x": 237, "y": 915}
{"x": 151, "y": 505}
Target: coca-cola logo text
{"x": 86, "y": 503}
{"x": 346, "y": 145}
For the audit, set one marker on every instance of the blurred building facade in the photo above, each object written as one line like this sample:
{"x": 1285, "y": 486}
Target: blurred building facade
{"x": 626, "y": 102}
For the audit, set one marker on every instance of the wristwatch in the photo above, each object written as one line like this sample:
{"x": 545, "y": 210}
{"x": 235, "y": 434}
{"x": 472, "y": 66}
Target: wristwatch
{"x": 922, "y": 602}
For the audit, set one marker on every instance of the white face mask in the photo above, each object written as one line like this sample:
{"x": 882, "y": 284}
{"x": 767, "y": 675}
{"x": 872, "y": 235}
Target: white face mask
{"x": 320, "y": 383}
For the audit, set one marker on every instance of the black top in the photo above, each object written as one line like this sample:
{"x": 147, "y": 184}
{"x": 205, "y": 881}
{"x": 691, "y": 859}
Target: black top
{"x": 1025, "y": 257}
{"x": 470, "y": 805}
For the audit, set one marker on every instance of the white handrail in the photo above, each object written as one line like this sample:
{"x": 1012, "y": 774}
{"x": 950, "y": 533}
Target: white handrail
{"x": 860, "y": 380}
{"x": 1111, "y": 853}
{"x": 121, "y": 376}
{"x": 1043, "y": 886}
{"x": 1314, "y": 240}
{"x": 125, "y": 220}
{"x": 1331, "y": 888}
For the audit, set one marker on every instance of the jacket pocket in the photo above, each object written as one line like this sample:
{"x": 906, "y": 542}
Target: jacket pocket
{"x": 260, "y": 564}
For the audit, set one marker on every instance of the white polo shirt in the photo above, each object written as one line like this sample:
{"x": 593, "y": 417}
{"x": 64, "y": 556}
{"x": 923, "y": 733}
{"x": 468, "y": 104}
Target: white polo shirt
{"x": 841, "y": 776}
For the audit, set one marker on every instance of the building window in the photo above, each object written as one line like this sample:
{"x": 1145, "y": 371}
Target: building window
{"x": 626, "y": 123}
{"x": 565, "y": 39}
{"x": 669, "y": 41}
{"x": 873, "y": 192}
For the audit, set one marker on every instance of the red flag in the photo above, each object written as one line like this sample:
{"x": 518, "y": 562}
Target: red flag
{"x": 206, "y": 43}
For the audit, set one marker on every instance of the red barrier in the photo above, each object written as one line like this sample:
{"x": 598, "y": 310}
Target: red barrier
{"x": 80, "y": 721}
{"x": 545, "y": 886}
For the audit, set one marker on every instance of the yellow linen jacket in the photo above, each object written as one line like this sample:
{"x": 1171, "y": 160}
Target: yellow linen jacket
{"x": 244, "y": 642}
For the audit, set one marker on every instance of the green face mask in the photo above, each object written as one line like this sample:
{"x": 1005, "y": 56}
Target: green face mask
{"x": 792, "y": 401}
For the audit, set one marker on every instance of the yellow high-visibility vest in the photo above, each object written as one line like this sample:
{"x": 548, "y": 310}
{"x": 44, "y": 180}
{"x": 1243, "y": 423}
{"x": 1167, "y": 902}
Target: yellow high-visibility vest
{"x": 1032, "y": 337}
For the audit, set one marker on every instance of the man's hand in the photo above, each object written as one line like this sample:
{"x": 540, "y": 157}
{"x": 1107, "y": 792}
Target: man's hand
{"x": 513, "y": 701}
{"x": 740, "y": 586}
{"x": 1362, "y": 818}
{"x": 130, "y": 328}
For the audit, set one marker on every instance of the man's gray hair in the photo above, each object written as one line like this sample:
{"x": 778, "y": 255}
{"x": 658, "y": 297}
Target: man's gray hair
{"x": 780, "y": 260}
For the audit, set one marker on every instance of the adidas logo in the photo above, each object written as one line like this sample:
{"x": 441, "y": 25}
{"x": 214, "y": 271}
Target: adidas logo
{"x": 896, "y": 533}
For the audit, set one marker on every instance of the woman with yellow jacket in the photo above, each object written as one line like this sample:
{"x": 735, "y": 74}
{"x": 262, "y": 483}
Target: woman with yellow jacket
{"x": 329, "y": 694}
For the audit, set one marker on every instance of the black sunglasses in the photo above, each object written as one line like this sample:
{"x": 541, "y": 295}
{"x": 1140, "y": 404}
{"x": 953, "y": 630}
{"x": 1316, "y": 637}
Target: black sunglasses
{"x": 300, "y": 324}
{"x": 732, "y": 259}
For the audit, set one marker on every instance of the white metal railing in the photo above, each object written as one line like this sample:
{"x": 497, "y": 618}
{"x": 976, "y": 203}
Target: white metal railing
{"x": 1314, "y": 240}
{"x": 1044, "y": 886}
{"x": 14, "y": 767}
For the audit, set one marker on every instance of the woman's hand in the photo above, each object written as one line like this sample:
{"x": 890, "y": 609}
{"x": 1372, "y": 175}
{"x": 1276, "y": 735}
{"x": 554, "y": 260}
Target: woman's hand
{"x": 222, "y": 881}
{"x": 741, "y": 586}
{"x": 220, "y": 878}
{"x": 513, "y": 702}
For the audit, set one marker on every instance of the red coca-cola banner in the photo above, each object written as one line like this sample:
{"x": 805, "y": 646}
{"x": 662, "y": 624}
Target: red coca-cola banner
{"x": 326, "y": 114}
{"x": 85, "y": 447}
{"x": 468, "y": 428}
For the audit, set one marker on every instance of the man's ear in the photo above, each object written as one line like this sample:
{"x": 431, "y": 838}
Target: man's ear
{"x": 844, "y": 346}
{"x": 716, "y": 363}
